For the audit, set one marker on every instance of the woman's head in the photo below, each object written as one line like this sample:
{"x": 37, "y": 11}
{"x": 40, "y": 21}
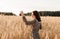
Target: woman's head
{"x": 36, "y": 15}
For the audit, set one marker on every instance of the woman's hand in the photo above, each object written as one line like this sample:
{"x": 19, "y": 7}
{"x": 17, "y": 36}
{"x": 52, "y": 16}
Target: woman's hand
{"x": 22, "y": 14}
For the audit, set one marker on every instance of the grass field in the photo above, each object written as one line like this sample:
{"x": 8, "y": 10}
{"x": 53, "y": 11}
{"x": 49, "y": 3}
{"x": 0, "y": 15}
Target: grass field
{"x": 12, "y": 27}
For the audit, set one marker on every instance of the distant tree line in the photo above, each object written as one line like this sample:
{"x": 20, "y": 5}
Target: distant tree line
{"x": 46, "y": 13}
{"x": 49, "y": 13}
{"x": 42, "y": 13}
{"x": 28, "y": 14}
{"x": 7, "y": 13}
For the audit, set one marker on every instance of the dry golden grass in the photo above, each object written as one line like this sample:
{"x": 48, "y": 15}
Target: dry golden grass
{"x": 12, "y": 27}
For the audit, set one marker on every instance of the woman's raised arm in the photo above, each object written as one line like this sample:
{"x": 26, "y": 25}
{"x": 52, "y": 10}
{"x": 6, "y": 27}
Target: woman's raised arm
{"x": 28, "y": 22}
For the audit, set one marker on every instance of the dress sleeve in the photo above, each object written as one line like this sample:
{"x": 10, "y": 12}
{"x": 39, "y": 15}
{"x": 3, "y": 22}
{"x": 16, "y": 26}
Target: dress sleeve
{"x": 28, "y": 22}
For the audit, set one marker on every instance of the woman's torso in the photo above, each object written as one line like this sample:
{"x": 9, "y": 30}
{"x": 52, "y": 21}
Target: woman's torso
{"x": 36, "y": 26}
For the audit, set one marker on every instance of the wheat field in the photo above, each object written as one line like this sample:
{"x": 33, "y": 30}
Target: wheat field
{"x": 13, "y": 27}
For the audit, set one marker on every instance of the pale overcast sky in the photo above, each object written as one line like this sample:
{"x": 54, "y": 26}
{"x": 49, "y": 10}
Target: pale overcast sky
{"x": 16, "y": 6}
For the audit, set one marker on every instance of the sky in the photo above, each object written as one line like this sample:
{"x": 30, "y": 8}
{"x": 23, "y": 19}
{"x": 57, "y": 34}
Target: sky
{"x": 16, "y": 6}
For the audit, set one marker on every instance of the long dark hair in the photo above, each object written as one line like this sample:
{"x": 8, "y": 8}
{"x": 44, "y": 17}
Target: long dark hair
{"x": 37, "y": 15}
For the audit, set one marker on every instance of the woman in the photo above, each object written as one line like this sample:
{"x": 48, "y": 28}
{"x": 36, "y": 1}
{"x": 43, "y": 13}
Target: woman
{"x": 36, "y": 23}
